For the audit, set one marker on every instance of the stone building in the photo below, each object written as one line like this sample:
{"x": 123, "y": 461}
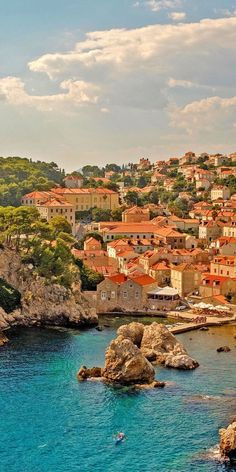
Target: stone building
{"x": 136, "y": 215}
{"x": 123, "y": 293}
{"x": 54, "y": 207}
{"x": 185, "y": 279}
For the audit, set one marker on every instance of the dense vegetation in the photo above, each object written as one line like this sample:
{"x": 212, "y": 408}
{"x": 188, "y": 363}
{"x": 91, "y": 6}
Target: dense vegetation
{"x": 44, "y": 246}
{"x": 19, "y": 176}
{"x": 10, "y": 298}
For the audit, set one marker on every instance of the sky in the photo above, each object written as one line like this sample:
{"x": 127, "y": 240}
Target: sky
{"x": 98, "y": 81}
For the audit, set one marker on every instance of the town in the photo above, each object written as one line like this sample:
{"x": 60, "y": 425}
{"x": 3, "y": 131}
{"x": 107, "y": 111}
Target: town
{"x": 160, "y": 235}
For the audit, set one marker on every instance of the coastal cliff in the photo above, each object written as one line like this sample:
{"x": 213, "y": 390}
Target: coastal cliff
{"x": 42, "y": 303}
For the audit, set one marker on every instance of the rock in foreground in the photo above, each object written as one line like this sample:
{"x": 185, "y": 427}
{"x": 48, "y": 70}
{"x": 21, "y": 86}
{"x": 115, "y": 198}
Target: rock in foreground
{"x": 3, "y": 339}
{"x": 228, "y": 442}
{"x": 132, "y": 331}
{"x": 125, "y": 364}
{"x": 159, "y": 345}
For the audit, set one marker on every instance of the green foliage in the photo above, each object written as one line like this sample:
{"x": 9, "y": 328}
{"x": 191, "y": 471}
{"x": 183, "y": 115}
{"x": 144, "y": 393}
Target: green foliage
{"x": 10, "y": 298}
{"x": 19, "y": 176}
{"x": 113, "y": 168}
{"x": 92, "y": 171}
{"x": 60, "y": 224}
{"x": 100, "y": 214}
{"x": 89, "y": 278}
{"x": 132, "y": 198}
{"x": 180, "y": 207}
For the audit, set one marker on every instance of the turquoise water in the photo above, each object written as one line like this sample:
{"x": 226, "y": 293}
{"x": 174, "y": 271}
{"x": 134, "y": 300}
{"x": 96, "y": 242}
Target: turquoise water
{"x": 52, "y": 423}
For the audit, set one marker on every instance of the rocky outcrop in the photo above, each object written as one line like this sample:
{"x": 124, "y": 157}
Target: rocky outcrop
{"x": 3, "y": 339}
{"x": 42, "y": 303}
{"x": 223, "y": 349}
{"x": 132, "y": 331}
{"x": 125, "y": 364}
{"x": 228, "y": 442}
{"x": 85, "y": 373}
{"x": 159, "y": 345}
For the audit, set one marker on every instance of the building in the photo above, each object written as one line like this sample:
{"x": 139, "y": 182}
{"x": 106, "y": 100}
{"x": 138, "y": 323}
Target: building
{"x": 224, "y": 266}
{"x": 163, "y": 299}
{"x": 135, "y": 215}
{"x": 54, "y": 207}
{"x": 213, "y": 285}
{"x": 36, "y": 197}
{"x": 229, "y": 229}
{"x": 185, "y": 279}
{"x": 220, "y": 191}
{"x": 86, "y": 198}
{"x": 124, "y": 293}
{"x": 160, "y": 271}
{"x": 92, "y": 244}
{"x": 73, "y": 181}
{"x": 210, "y": 230}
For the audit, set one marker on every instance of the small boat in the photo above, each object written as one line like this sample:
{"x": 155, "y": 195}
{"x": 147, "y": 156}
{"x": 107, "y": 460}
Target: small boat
{"x": 119, "y": 438}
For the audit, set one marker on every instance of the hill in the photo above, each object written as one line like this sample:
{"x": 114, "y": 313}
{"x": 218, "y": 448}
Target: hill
{"x": 21, "y": 175}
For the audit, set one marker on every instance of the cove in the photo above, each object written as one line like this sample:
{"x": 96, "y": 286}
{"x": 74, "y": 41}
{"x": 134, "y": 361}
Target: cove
{"x": 52, "y": 423}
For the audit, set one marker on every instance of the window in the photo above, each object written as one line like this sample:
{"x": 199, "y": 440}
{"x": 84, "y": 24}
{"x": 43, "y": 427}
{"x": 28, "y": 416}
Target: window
{"x": 103, "y": 295}
{"x": 137, "y": 294}
{"x": 125, "y": 294}
{"x": 113, "y": 294}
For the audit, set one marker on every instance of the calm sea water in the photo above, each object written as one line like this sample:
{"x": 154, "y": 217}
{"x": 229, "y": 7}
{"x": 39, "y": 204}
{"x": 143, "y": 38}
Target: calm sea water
{"x": 52, "y": 423}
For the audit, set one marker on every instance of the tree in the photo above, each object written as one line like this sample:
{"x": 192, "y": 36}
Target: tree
{"x": 92, "y": 171}
{"x": 20, "y": 176}
{"x": 60, "y": 224}
{"x": 131, "y": 198}
{"x": 113, "y": 168}
{"x": 100, "y": 214}
{"x": 89, "y": 278}
{"x": 142, "y": 181}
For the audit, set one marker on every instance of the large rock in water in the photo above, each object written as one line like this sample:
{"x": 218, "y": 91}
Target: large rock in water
{"x": 228, "y": 442}
{"x": 132, "y": 331}
{"x": 126, "y": 365}
{"x": 161, "y": 346}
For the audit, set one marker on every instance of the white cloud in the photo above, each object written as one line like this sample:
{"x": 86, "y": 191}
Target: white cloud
{"x": 155, "y": 51}
{"x": 207, "y": 114}
{"x": 157, "y": 5}
{"x": 172, "y": 83}
{"x": 79, "y": 93}
{"x": 177, "y": 16}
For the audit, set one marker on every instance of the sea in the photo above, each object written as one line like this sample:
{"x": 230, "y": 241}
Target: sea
{"x": 50, "y": 422}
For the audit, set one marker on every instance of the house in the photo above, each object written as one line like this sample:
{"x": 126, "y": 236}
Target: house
{"x": 220, "y": 191}
{"x": 92, "y": 244}
{"x": 212, "y": 285}
{"x": 224, "y": 265}
{"x": 160, "y": 271}
{"x": 210, "y": 230}
{"x": 185, "y": 278}
{"x": 164, "y": 299}
{"x": 124, "y": 293}
{"x": 55, "y": 207}
{"x": 73, "y": 181}
{"x": 36, "y": 197}
{"x": 144, "y": 164}
{"x": 135, "y": 215}
{"x": 229, "y": 229}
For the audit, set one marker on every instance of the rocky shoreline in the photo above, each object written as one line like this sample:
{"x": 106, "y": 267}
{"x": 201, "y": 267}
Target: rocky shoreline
{"x": 129, "y": 357}
{"x": 42, "y": 304}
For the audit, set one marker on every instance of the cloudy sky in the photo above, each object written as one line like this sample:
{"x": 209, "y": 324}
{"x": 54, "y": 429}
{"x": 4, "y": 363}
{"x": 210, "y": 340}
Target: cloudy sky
{"x": 97, "y": 81}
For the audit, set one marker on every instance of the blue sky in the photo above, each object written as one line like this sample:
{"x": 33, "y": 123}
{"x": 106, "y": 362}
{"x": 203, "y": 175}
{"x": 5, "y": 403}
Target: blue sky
{"x": 96, "y": 81}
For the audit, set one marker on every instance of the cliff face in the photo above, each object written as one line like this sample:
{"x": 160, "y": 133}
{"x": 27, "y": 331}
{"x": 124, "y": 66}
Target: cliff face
{"x": 42, "y": 303}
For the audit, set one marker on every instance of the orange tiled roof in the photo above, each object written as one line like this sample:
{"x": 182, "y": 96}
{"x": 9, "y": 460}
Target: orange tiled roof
{"x": 143, "y": 280}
